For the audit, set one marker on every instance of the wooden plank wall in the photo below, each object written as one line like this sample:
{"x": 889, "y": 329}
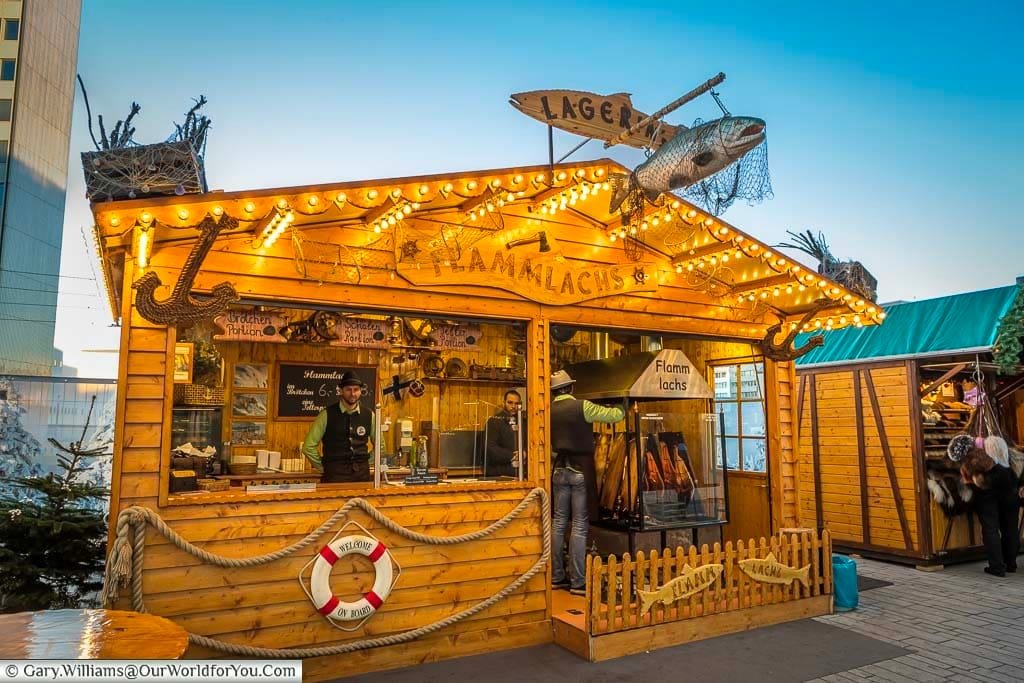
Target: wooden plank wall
{"x": 861, "y": 473}
{"x": 265, "y": 606}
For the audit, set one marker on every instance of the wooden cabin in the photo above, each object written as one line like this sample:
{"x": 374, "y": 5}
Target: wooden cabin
{"x": 877, "y": 408}
{"x": 443, "y": 292}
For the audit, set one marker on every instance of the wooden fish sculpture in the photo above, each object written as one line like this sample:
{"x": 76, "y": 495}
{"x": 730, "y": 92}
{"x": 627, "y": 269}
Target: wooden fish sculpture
{"x": 688, "y": 582}
{"x": 689, "y": 157}
{"x": 770, "y": 570}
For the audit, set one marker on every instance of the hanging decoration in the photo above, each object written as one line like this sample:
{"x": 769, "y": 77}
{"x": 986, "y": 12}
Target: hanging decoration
{"x": 690, "y": 157}
{"x": 784, "y": 350}
{"x": 850, "y": 274}
{"x": 326, "y": 261}
{"x": 180, "y": 307}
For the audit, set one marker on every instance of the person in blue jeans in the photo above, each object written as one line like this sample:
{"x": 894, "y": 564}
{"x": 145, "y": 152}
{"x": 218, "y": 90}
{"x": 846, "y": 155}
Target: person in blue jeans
{"x": 573, "y": 478}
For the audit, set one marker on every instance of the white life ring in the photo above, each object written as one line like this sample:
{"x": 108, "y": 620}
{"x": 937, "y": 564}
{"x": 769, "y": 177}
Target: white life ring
{"x": 326, "y": 602}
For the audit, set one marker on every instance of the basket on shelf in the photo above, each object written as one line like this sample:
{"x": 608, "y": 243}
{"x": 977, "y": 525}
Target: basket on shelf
{"x": 242, "y": 468}
{"x": 213, "y": 484}
{"x": 198, "y": 395}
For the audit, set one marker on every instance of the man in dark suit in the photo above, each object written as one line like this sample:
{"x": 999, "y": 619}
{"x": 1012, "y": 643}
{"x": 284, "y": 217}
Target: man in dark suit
{"x": 502, "y": 447}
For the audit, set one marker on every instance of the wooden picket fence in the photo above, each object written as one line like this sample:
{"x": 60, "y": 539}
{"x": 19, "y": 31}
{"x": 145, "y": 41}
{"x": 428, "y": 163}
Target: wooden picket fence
{"x": 613, "y": 605}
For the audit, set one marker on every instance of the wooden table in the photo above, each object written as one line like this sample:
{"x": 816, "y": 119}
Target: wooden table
{"x": 90, "y": 634}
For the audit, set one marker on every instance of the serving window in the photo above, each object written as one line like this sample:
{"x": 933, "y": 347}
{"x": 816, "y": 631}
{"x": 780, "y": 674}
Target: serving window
{"x": 450, "y": 395}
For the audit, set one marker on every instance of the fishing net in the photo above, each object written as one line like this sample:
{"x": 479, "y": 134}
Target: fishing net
{"x": 747, "y": 179}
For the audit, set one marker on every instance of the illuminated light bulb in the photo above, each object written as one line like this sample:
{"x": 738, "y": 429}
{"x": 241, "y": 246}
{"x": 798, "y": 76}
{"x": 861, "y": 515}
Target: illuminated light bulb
{"x": 218, "y": 211}
{"x": 605, "y": 186}
{"x": 700, "y": 265}
{"x": 789, "y": 289}
{"x": 496, "y": 182}
{"x": 725, "y": 258}
{"x": 860, "y": 302}
{"x": 709, "y": 221}
{"x": 396, "y": 193}
{"x": 572, "y": 202}
{"x": 842, "y": 320}
{"x": 859, "y": 325}
{"x": 882, "y": 315}
{"x": 833, "y": 291}
{"x": 341, "y": 198}
{"x": 539, "y": 178}
{"x": 611, "y": 237}
{"x": 679, "y": 268}
{"x": 817, "y": 324}
{"x": 871, "y": 309}
{"x": 714, "y": 260}
{"x": 406, "y": 209}
{"x": 544, "y": 209}
{"x": 372, "y": 194}
{"x": 764, "y": 295}
{"x": 739, "y": 239}
{"x": 806, "y": 327}
{"x": 482, "y": 212}
{"x": 622, "y": 233}
{"x": 391, "y": 220}
{"x": 739, "y": 299}
{"x": 767, "y": 256}
{"x": 775, "y": 292}
{"x": 755, "y": 247}
{"x": 282, "y": 203}
{"x": 795, "y": 269}
{"x": 644, "y": 225}
{"x": 692, "y": 213}
{"x": 632, "y": 229}
{"x": 856, "y": 318}
{"x": 580, "y": 173}
{"x": 471, "y": 185}
{"x": 750, "y": 297}
{"x": 723, "y": 230}
{"x": 313, "y": 201}
{"x": 667, "y": 218}
{"x": 183, "y": 214}
{"x": 689, "y": 267}
{"x": 472, "y": 216}
{"x": 448, "y": 187}
{"x": 115, "y": 221}
{"x": 146, "y": 217}
{"x": 560, "y": 176}
{"x": 847, "y": 297}
{"x": 423, "y": 189}
{"x": 781, "y": 262}
{"x": 510, "y": 197}
{"x": 517, "y": 178}
{"x": 822, "y": 283}
{"x": 801, "y": 288}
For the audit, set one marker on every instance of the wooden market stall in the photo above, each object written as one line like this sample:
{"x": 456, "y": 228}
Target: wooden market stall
{"x": 877, "y": 408}
{"x": 442, "y": 292}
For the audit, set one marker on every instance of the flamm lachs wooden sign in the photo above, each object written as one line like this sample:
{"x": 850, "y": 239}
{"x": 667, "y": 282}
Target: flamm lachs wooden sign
{"x": 545, "y": 277}
{"x": 602, "y": 117}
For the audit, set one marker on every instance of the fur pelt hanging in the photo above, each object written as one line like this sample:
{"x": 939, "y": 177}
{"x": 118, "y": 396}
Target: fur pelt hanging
{"x": 949, "y": 492}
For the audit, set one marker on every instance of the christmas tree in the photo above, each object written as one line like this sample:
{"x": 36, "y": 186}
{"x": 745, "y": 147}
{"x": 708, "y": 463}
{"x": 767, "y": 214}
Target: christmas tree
{"x": 52, "y": 533}
{"x": 19, "y": 450}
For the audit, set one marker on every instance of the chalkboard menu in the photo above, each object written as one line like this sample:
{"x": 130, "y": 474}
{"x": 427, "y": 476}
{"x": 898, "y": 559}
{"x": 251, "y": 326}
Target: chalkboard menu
{"x": 304, "y": 389}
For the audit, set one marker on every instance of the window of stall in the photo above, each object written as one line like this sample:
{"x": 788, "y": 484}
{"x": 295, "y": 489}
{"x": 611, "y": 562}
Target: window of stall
{"x": 739, "y": 397}
{"x": 250, "y": 387}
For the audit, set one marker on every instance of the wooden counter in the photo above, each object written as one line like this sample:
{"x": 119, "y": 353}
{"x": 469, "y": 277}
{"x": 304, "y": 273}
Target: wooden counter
{"x": 90, "y": 634}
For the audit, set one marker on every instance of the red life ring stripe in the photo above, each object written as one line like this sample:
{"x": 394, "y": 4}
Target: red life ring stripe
{"x": 374, "y": 599}
{"x": 328, "y": 555}
{"x": 329, "y": 606}
{"x": 377, "y": 552}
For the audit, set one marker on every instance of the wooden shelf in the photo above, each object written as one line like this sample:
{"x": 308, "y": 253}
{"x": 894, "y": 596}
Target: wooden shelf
{"x": 442, "y": 380}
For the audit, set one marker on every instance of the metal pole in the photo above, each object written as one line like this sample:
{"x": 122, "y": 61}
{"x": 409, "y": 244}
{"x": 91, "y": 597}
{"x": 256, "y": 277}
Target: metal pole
{"x": 377, "y": 446}
{"x": 519, "y": 440}
{"x": 551, "y": 146}
{"x": 696, "y": 92}
{"x": 573, "y": 150}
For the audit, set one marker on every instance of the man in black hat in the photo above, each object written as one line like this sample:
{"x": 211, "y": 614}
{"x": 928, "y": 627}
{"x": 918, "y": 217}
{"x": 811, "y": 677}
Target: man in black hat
{"x": 344, "y": 428}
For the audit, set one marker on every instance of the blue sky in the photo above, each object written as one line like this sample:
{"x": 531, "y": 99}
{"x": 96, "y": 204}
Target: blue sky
{"x": 894, "y": 128}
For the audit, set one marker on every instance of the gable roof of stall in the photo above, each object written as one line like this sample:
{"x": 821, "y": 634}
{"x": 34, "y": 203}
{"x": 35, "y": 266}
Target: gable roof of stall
{"x": 959, "y": 323}
{"x": 726, "y": 269}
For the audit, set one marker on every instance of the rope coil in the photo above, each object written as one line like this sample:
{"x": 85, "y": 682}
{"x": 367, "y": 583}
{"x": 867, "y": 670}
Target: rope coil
{"x": 124, "y": 568}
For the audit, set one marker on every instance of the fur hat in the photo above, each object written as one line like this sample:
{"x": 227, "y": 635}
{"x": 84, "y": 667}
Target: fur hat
{"x": 958, "y": 446}
{"x": 977, "y": 462}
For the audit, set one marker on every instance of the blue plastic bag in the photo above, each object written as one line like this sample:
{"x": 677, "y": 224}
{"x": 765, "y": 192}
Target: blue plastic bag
{"x": 844, "y": 581}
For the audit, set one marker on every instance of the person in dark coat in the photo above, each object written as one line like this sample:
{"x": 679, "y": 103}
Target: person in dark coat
{"x": 996, "y": 502}
{"x": 344, "y": 430}
{"x": 502, "y": 447}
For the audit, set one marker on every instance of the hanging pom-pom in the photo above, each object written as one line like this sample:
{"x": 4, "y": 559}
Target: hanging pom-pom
{"x": 179, "y": 189}
{"x": 958, "y": 447}
{"x": 997, "y": 449}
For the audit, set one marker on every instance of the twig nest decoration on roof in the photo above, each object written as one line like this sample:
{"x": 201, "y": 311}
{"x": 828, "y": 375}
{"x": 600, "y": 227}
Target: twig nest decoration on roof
{"x": 958, "y": 447}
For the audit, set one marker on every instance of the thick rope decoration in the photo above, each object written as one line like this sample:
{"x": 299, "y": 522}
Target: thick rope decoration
{"x": 124, "y": 567}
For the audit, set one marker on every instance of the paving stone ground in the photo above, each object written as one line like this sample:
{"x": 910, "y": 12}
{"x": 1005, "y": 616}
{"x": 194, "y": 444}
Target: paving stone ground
{"x": 960, "y": 624}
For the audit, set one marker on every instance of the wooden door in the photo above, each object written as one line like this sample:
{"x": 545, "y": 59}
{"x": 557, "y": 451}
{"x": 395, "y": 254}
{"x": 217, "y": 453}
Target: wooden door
{"x": 748, "y": 506}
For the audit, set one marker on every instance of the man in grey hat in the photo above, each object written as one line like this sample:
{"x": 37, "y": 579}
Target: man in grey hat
{"x": 344, "y": 428}
{"x": 573, "y": 478}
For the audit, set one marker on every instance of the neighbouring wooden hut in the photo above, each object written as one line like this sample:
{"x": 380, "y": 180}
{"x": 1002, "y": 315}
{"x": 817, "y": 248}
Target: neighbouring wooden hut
{"x": 441, "y": 292}
{"x": 877, "y": 408}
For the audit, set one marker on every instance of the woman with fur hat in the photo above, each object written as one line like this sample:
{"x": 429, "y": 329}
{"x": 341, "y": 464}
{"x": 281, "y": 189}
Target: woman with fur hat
{"x": 995, "y": 500}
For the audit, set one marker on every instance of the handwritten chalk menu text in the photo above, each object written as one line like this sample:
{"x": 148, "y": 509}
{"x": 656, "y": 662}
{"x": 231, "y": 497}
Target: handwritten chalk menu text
{"x": 304, "y": 389}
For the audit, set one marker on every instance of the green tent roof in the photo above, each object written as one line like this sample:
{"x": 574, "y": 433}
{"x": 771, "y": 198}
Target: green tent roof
{"x": 961, "y": 322}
